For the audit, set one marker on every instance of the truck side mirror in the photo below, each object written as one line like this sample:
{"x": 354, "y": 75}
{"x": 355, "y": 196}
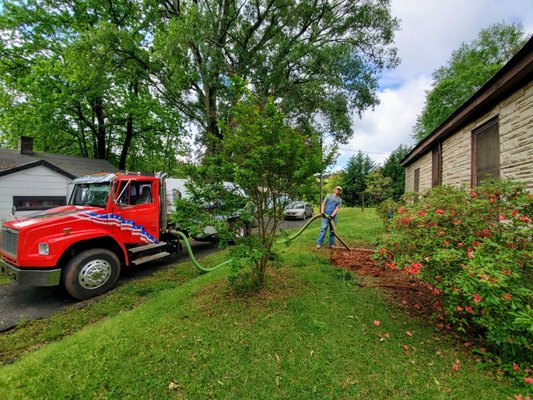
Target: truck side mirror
{"x": 13, "y": 211}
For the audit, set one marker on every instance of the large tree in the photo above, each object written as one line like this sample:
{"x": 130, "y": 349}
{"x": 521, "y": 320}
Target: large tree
{"x": 469, "y": 68}
{"x": 76, "y": 76}
{"x": 394, "y": 170}
{"x": 320, "y": 59}
{"x": 354, "y": 178}
{"x": 97, "y": 78}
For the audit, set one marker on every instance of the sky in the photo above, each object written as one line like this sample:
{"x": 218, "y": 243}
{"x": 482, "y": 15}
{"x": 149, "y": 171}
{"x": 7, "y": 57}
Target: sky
{"x": 430, "y": 31}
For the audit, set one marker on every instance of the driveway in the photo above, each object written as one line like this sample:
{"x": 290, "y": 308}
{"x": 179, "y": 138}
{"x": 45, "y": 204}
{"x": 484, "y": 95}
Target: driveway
{"x": 25, "y": 303}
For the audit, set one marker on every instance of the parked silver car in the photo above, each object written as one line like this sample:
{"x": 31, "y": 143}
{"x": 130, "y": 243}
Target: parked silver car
{"x": 298, "y": 210}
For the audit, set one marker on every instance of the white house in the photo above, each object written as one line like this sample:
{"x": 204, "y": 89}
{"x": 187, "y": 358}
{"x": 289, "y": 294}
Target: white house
{"x": 33, "y": 181}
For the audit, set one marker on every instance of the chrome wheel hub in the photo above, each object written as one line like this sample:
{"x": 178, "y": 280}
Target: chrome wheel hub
{"x": 94, "y": 274}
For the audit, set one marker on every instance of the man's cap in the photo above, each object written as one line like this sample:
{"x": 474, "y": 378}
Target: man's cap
{"x": 338, "y": 187}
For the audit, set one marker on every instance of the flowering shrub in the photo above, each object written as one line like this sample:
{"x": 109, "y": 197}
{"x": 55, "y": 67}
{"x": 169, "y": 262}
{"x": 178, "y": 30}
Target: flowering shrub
{"x": 474, "y": 250}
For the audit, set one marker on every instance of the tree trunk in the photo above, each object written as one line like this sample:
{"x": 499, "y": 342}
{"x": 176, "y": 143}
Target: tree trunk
{"x": 129, "y": 133}
{"x": 98, "y": 109}
{"x": 127, "y": 143}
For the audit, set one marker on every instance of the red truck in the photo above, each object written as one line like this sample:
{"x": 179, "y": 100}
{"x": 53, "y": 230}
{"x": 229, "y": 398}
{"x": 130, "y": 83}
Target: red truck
{"x": 112, "y": 221}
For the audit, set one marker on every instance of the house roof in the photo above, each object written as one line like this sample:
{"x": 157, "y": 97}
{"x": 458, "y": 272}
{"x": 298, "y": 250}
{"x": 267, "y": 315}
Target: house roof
{"x": 517, "y": 73}
{"x": 13, "y": 161}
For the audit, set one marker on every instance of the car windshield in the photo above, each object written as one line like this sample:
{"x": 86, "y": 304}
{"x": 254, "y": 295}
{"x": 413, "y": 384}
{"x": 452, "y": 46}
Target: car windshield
{"x": 296, "y": 205}
{"x": 90, "y": 194}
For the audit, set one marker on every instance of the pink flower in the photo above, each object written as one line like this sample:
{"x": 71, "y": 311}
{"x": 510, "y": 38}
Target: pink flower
{"x": 477, "y": 298}
{"x": 485, "y": 232}
{"x": 507, "y": 297}
{"x": 377, "y": 323}
{"x": 525, "y": 219}
{"x": 441, "y": 233}
{"x": 456, "y": 364}
{"x": 414, "y": 268}
{"x": 405, "y": 347}
{"x": 391, "y": 265}
{"x": 516, "y": 367}
{"x": 421, "y": 213}
{"x": 469, "y": 310}
{"x": 435, "y": 291}
{"x": 528, "y": 380}
{"x": 459, "y": 308}
{"x": 439, "y": 211}
{"x": 507, "y": 272}
{"x": 460, "y": 244}
{"x": 470, "y": 253}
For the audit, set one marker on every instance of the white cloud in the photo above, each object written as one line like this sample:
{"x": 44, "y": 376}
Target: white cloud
{"x": 431, "y": 31}
{"x": 389, "y": 125}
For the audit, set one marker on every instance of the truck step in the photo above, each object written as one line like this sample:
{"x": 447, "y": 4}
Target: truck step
{"x": 138, "y": 249}
{"x": 145, "y": 259}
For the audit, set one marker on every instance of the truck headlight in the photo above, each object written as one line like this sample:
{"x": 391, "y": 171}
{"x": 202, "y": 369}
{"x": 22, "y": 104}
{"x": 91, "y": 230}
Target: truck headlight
{"x": 44, "y": 249}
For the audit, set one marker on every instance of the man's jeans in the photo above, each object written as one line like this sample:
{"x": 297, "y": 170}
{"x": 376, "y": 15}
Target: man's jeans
{"x": 322, "y": 234}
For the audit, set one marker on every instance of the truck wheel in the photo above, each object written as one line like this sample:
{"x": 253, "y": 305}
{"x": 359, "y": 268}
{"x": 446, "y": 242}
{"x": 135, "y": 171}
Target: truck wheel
{"x": 91, "y": 273}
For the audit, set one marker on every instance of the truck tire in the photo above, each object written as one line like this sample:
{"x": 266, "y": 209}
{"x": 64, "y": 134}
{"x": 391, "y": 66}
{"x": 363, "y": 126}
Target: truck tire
{"x": 91, "y": 273}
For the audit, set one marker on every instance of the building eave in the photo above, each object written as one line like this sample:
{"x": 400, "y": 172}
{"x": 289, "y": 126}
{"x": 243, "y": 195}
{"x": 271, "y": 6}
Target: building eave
{"x": 34, "y": 164}
{"x": 517, "y": 73}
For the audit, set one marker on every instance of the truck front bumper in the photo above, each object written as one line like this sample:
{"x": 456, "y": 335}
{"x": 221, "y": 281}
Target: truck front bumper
{"x": 32, "y": 277}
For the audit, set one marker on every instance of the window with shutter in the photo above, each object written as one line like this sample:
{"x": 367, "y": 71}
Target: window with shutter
{"x": 486, "y": 152}
{"x": 436, "y": 165}
{"x": 417, "y": 183}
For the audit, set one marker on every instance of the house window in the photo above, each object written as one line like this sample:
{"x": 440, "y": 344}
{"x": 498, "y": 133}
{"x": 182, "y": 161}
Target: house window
{"x": 436, "y": 165}
{"x": 35, "y": 203}
{"x": 485, "y": 152}
{"x": 417, "y": 183}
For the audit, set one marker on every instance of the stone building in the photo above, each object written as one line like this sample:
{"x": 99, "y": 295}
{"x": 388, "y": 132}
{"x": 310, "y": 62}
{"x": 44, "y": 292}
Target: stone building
{"x": 491, "y": 134}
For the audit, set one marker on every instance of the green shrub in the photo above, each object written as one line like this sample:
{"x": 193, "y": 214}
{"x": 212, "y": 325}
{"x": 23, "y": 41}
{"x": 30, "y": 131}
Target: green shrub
{"x": 473, "y": 249}
{"x": 385, "y": 210}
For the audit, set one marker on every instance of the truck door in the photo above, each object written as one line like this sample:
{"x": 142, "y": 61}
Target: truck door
{"x": 137, "y": 205}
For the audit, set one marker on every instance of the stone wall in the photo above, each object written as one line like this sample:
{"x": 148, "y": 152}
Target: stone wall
{"x": 515, "y": 115}
{"x": 424, "y": 163}
{"x": 516, "y": 137}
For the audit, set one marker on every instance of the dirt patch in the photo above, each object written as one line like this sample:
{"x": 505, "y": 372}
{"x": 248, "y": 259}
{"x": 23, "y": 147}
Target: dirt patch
{"x": 404, "y": 291}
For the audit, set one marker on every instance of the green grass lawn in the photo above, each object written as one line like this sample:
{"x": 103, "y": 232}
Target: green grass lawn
{"x": 181, "y": 335}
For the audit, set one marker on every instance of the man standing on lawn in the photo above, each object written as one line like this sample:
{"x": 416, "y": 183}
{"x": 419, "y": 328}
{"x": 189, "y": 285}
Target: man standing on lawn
{"x": 329, "y": 209}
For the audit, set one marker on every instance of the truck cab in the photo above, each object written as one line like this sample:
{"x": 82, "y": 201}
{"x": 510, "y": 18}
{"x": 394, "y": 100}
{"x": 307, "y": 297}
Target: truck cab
{"x": 112, "y": 221}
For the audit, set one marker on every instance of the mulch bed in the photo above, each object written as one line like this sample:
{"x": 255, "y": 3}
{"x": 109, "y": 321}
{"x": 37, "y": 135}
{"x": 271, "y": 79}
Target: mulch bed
{"x": 404, "y": 291}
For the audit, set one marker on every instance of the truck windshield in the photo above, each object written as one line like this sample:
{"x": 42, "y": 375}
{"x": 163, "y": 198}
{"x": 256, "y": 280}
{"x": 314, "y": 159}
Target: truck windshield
{"x": 90, "y": 194}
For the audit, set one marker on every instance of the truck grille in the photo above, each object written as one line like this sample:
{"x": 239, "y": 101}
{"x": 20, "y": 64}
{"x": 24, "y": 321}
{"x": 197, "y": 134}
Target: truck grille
{"x": 10, "y": 239}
